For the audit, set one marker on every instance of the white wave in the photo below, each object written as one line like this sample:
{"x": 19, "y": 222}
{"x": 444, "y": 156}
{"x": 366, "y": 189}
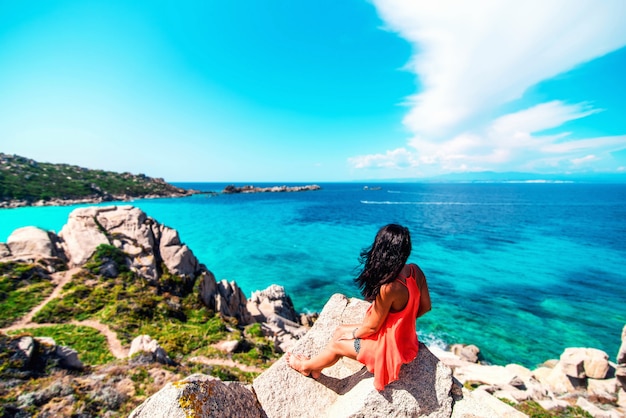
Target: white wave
{"x": 388, "y": 202}
{"x": 432, "y": 341}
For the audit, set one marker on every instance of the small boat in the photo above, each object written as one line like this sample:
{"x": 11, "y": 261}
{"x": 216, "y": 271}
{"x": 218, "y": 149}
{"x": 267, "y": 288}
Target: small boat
{"x": 372, "y": 188}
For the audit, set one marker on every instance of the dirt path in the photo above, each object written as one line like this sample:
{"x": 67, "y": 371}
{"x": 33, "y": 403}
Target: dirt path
{"x": 115, "y": 345}
{"x": 60, "y": 279}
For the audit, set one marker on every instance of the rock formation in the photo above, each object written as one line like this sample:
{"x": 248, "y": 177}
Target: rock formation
{"x": 32, "y": 357}
{"x": 30, "y": 243}
{"x": 151, "y": 246}
{"x": 272, "y": 301}
{"x": 153, "y": 250}
{"x": 144, "y": 349}
{"x": 225, "y": 298}
{"x": 620, "y": 372}
{"x": 274, "y": 309}
{"x": 581, "y": 377}
{"x": 231, "y": 189}
{"x": 425, "y": 388}
{"x": 200, "y": 396}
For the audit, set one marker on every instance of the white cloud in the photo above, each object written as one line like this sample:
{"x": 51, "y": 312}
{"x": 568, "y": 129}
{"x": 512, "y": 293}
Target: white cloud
{"x": 511, "y": 142}
{"x": 540, "y": 117}
{"x": 472, "y": 56}
{"x": 396, "y": 159}
{"x": 584, "y": 160}
{"x": 514, "y": 141}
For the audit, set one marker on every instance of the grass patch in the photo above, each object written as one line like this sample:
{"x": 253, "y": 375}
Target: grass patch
{"x": 131, "y": 306}
{"x": 105, "y": 253}
{"x": 534, "y": 410}
{"x": 90, "y": 343}
{"x": 22, "y": 287}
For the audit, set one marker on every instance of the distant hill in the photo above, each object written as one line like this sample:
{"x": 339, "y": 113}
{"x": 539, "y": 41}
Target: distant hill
{"x": 25, "y": 181}
{"x": 521, "y": 177}
{"x": 511, "y": 177}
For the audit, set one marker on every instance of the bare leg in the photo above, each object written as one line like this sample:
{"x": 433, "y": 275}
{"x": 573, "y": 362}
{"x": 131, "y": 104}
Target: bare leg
{"x": 326, "y": 358}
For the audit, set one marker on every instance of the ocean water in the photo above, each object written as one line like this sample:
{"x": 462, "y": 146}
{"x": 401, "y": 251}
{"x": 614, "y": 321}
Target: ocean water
{"x": 521, "y": 270}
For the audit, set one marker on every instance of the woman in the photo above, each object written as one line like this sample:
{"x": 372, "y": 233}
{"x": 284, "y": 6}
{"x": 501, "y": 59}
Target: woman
{"x": 387, "y": 337}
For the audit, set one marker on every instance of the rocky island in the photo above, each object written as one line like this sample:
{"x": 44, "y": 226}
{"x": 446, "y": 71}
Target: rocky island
{"x": 231, "y": 189}
{"x": 115, "y": 316}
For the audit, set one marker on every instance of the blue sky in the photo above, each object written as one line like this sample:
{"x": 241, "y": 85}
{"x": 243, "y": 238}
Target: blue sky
{"x": 313, "y": 91}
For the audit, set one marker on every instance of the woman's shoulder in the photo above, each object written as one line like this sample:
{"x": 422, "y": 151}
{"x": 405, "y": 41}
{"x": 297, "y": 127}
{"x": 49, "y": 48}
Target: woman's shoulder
{"x": 391, "y": 288}
{"x": 416, "y": 271}
{"x": 418, "y": 275}
{"x": 399, "y": 285}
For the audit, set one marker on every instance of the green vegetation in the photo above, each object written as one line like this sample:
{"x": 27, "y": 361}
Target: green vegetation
{"x": 254, "y": 330}
{"x": 131, "y": 306}
{"x": 22, "y": 287}
{"x": 90, "y": 344}
{"x": 256, "y": 349}
{"x": 105, "y": 253}
{"x": 534, "y": 410}
{"x": 167, "y": 309}
{"x": 27, "y": 180}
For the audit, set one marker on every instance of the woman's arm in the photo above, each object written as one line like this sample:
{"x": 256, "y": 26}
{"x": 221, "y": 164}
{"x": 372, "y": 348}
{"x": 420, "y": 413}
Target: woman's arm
{"x": 380, "y": 309}
{"x": 425, "y": 304}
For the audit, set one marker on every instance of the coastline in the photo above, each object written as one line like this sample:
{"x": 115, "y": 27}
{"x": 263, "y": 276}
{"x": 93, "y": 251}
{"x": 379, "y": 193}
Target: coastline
{"x": 12, "y": 204}
{"x": 97, "y": 199}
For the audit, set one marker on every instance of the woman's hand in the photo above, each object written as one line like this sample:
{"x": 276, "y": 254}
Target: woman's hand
{"x": 345, "y": 336}
{"x": 345, "y": 332}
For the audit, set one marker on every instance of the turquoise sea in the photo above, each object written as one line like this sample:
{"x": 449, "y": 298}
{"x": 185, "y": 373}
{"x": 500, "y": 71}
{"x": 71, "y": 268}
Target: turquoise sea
{"x": 521, "y": 270}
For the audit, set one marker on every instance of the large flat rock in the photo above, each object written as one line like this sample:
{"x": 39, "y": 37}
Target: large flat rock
{"x": 347, "y": 388}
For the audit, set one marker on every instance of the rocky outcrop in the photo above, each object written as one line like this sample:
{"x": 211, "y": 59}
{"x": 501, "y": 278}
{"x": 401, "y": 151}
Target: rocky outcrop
{"x": 143, "y": 349}
{"x": 82, "y": 234}
{"x": 581, "y": 377}
{"x": 466, "y": 352}
{"x": 27, "y": 357}
{"x": 231, "y": 189}
{"x": 29, "y": 244}
{"x": 274, "y": 309}
{"x": 154, "y": 251}
{"x": 200, "y": 396}
{"x": 225, "y": 298}
{"x": 346, "y": 389}
{"x": 272, "y": 301}
{"x": 151, "y": 246}
{"x": 620, "y": 372}
{"x": 426, "y": 386}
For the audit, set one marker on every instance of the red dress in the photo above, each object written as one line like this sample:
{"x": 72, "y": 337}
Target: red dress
{"x": 396, "y": 342}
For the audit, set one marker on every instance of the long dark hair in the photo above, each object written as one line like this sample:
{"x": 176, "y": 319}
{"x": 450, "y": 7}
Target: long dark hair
{"x": 383, "y": 261}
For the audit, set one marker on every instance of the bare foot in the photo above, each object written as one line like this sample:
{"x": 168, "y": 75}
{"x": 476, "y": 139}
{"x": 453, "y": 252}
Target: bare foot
{"x": 297, "y": 362}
